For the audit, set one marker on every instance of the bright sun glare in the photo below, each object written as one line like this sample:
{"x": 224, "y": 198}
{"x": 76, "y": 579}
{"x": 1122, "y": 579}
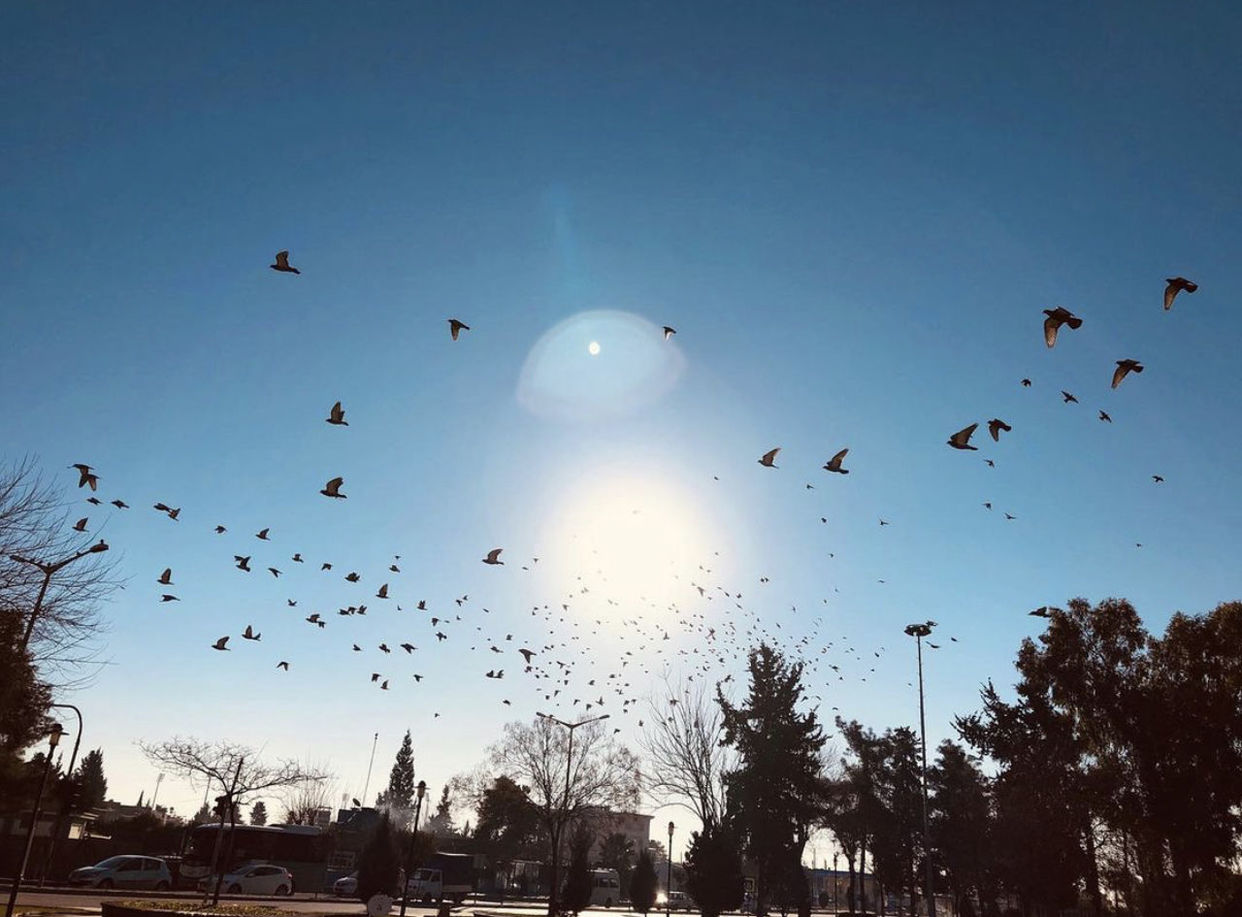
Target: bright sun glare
{"x": 634, "y": 540}
{"x": 593, "y": 348}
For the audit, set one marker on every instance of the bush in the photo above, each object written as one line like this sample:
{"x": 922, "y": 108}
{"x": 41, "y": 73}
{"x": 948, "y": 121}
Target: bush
{"x": 379, "y": 865}
{"x": 643, "y": 884}
{"x": 714, "y": 872}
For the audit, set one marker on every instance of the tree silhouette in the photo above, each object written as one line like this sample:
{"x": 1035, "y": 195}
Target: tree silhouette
{"x": 398, "y": 798}
{"x": 379, "y": 865}
{"x": 93, "y": 786}
{"x": 714, "y": 871}
{"x": 258, "y": 813}
{"x": 643, "y": 884}
{"x": 576, "y": 895}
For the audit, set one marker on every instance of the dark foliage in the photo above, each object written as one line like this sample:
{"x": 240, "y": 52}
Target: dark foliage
{"x": 576, "y": 896}
{"x": 714, "y": 871}
{"x": 643, "y": 884}
{"x": 379, "y": 865}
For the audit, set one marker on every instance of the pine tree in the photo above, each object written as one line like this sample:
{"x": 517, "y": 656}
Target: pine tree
{"x": 398, "y": 799}
{"x": 576, "y": 896}
{"x": 203, "y": 816}
{"x": 92, "y": 781}
{"x": 379, "y": 865}
{"x": 442, "y": 822}
{"x": 643, "y": 884}
{"x": 714, "y": 872}
{"x": 777, "y": 789}
{"x": 258, "y": 813}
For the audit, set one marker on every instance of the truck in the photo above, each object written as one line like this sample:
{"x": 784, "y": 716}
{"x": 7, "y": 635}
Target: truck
{"x": 441, "y": 876}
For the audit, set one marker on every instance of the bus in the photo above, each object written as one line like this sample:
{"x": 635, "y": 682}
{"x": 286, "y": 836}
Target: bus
{"x": 301, "y": 849}
{"x": 605, "y": 888}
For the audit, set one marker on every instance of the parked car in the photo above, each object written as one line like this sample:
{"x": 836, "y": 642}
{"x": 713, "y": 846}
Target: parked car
{"x": 346, "y": 886}
{"x": 253, "y": 879}
{"x": 124, "y": 872}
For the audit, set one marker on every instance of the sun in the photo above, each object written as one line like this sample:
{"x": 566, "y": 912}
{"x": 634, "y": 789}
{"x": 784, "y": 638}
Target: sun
{"x": 593, "y": 348}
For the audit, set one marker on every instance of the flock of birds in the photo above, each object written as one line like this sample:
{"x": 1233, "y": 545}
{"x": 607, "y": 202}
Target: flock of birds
{"x": 554, "y": 654}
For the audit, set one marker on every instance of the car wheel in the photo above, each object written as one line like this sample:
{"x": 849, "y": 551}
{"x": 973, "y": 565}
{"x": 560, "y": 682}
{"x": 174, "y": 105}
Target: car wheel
{"x": 105, "y": 885}
{"x": 234, "y": 889}
{"x": 282, "y": 891}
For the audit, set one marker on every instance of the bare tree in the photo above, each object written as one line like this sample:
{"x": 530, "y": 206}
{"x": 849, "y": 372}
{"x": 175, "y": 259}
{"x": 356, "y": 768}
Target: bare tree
{"x": 303, "y": 800}
{"x": 36, "y": 532}
{"x": 602, "y": 773}
{"x": 686, "y": 753}
{"x": 235, "y": 769}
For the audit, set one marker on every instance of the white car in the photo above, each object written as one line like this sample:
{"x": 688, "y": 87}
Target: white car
{"x": 346, "y": 886}
{"x": 254, "y": 879}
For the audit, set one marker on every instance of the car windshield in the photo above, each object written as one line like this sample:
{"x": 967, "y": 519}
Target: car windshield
{"x": 110, "y": 863}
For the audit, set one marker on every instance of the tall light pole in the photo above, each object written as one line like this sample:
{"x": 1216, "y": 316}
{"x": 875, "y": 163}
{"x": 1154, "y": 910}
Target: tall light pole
{"x": 48, "y": 571}
{"x": 668, "y": 876}
{"x": 834, "y": 881}
{"x": 64, "y": 806}
{"x": 918, "y": 632}
{"x": 53, "y": 740}
{"x": 409, "y": 851}
{"x": 554, "y": 894}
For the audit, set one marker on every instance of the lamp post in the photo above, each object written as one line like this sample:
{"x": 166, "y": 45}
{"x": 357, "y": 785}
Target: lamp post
{"x": 918, "y": 632}
{"x": 53, "y": 740}
{"x": 668, "y": 877}
{"x": 835, "y": 881}
{"x": 48, "y": 571}
{"x": 554, "y": 894}
{"x": 409, "y": 851}
{"x": 64, "y": 806}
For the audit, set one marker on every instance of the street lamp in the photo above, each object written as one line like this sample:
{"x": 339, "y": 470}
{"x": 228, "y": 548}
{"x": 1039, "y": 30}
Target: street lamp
{"x": 64, "y": 806}
{"x": 409, "y": 851}
{"x": 668, "y": 877}
{"x": 553, "y": 895}
{"x": 52, "y": 741}
{"x": 48, "y": 571}
{"x": 835, "y": 881}
{"x": 918, "y": 632}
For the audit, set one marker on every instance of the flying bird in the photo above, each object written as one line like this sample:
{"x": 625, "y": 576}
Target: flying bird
{"x": 1175, "y": 286}
{"x": 1043, "y": 611}
{"x": 493, "y": 557}
{"x": 283, "y": 665}
{"x": 1124, "y": 368}
{"x": 1157, "y": 479}
{"x": 961, "y": 439}
{"x": 169, "y": 598}
{"x": 352, "y": 577}
{"x": 282, "y": 264}
{"x": 220, "y": 530}
{"x": 120, "y": 504}
{"x": 165, "y": 577}
{"x": 94, "y": 501}
{"x": 383, "y": 592}
{"x": 834, "y": 463}
{"x": 249, "y": 634}
{"x": 220, "y": 644}
{"x": 769, "y": 458}
{"x": 995, "y": 426}
{"x": 86, "y": 476}
{"x": 457, "y": 327}
{"x": 1056, "y": 318}
{"x": 1068, "y": 397}
{"x": 333, "y": 489}
{"x": 526, "y": 654}
{"x": 336, "y": 416}
{"x": 669, "y": 332}
{"x": 1104, "y": 417}
{"x": 1026, "y": 383}
{"x": 243, "y": 563}
{"x": 262, "y": 535}
{"x": 80, "y": 525}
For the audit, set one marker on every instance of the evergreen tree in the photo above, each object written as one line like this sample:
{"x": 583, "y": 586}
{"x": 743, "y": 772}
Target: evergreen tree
{"x": 258, "y": 813}
{"x": 643, "y": 884}
{"x": 442, "y": 822}
{"x": 777, "y": 791}
{"x": 714, "y": 872}
{"x": 576, "y": 896}
{"x": 398, "y": 799}
{"x": 617, "y": 852}
{"x": 94, "y": 786}
{"x": 379, "y": 865}
{"x": 203, "y": 816}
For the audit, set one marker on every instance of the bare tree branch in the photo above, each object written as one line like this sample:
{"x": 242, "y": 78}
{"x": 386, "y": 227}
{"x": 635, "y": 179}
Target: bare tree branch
{"x": 217, "y": 763}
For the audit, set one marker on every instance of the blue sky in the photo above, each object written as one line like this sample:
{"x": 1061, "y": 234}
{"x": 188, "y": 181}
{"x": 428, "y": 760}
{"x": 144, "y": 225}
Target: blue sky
{"x": 853, "y": 215}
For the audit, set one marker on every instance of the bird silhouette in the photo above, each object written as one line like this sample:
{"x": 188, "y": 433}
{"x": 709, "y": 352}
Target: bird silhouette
{"x": 1026, "y": 383}
{"x": 282, "y": 264}
{"x": 80, "y": 525}
{"x": 243, "y": 563}
{"x": 166, "y": 597}
{"x": 333, "y": 489}
{"x": 1056, "y": 318}
{"x": 120, "y": 504}
{"x": 382, "y": 592}
{"x": 249, "y": 634}
{"x": 283, "y": 665}
{"x": 86, "y": 476}
{"x": 1124, "y": 368}
{"x": 220, "y": 644}
{"x": 336, "y": 416}
{"x": 1068, "y": 397}
{"x": 834, "y": 463}
{"x": 1175, "y": 286}
{"x": 995, "y": 426}
{"x": 1157, "y": 478}
{"x": 262, "y": 535}
{"x": 1104, "y": 417}
{"x": 165, "y": 578}
{"x": 961, "y": 439}
{"x": 457, "y": 327}
{"x": 493, "y": 557}
{"x": 669, "y": 332}
{"x": 769, "y": 458}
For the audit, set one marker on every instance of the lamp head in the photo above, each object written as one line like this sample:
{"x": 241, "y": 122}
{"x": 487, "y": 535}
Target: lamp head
{"x": 670, "y": 829}
{"x": 917, "y": 630}
{"x": 53, "y": 738}
{"x": 422, "y": 788}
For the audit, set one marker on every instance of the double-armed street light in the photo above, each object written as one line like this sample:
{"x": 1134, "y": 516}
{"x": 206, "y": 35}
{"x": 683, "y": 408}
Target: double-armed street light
{"x": 53, "y": 740}
{"x": 569, "y": 758}
{"x": 918, "y": 632}
{"x": 48, "y": 571}
{"x": 409, "y": 850}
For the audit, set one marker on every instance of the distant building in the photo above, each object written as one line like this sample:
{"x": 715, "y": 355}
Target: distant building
{"x": 605, "y": 823}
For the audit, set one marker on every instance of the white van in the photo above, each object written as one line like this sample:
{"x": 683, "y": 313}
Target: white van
{"x": 605, "y": 888}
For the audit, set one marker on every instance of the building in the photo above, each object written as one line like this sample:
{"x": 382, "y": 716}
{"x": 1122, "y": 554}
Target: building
{"x": 604, "y": 823}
